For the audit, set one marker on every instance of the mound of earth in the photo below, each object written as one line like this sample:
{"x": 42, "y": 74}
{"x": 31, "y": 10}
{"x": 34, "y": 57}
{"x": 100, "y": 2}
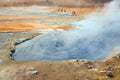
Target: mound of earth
{"x": 80, "y": 3}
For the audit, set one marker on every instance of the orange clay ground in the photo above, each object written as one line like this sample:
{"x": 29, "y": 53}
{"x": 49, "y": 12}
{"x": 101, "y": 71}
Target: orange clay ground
{"x": 22, "y": 22}
{"x": 25, "y": 23}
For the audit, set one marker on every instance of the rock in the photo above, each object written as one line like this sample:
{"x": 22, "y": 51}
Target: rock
{"x": 110, "y": 67}
{"x": 87, "y": 78}
{"x": 27, "y": 71}
{"x": 77, "y": 60}
{"x": 89, "y": 62}
{"x": 102, "y": 73}
{"x": 21, "y": 70}
{"x": 90, "y": 67}
{"x": 77, "y": 79}
{"x": 34, "y": 72}
{"x": 118, "y": 56}
{"x": 31, "y": 71}
{"x": 109, "y": 74}
{"x": 83, "y": 60}
{"x": 73, "y": 61}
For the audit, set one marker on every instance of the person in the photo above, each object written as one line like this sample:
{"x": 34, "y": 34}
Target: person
{"x": 61, "y": 10}
{"x": 64, "y": 10}
{"x": 73, "y": 13}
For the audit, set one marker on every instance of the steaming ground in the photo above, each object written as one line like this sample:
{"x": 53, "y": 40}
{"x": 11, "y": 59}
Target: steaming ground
{"x": 93, "y": 38}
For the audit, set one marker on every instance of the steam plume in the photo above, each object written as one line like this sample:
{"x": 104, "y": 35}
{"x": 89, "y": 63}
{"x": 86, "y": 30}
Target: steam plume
{"x": 92, "y": 38}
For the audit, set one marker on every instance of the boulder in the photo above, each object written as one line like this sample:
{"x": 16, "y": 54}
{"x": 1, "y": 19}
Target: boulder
{"x": 27, "y": 71}
{"x": 31, "y": 71}
{"x": 109, "y": 74}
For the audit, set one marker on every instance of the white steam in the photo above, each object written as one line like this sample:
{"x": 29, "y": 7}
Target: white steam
{"x": 92, "y": 38}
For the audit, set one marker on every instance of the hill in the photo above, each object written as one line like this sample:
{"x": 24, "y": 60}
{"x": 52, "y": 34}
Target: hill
{"x": 69, "y": 3}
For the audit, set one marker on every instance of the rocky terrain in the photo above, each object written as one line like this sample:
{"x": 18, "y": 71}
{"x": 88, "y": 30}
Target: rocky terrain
{"x": 61, "y": 70}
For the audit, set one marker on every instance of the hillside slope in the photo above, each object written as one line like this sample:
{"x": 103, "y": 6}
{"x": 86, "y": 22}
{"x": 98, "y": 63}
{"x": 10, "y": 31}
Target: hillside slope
{"x": 72, "y": 3}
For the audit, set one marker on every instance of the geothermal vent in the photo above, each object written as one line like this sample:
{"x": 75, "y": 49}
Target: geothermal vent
{"x": 92, "y": 38}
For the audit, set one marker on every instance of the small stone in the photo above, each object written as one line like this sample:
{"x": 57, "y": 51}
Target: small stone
{"x": 109, "y": 74}
{"x": 110, "y": 67}
{"x": 50, "y": 64}
{"x": 77, "y": 79}
{"x": 20, "y": 70}
{"x": 30, "y": 69}
{"x": 87, "y": 78}
{"x": 34, "y": 72}
{"x": 89, "y": 62}
{"x": 102, "y": 72}
{"x": 77, "y": 60}
{"x": 89, "y": 67}
{"x": 118, "y": 56}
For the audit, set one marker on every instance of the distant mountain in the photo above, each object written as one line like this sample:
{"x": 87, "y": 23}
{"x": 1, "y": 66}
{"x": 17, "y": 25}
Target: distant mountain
{"x": 78, "y": 3}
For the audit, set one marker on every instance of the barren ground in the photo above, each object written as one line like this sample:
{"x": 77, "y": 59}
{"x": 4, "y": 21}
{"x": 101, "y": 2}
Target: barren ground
{"x": 25, "y": 26}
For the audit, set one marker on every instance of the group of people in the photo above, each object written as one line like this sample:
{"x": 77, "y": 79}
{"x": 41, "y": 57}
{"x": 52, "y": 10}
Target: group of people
{"x": 64, "y": 11}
